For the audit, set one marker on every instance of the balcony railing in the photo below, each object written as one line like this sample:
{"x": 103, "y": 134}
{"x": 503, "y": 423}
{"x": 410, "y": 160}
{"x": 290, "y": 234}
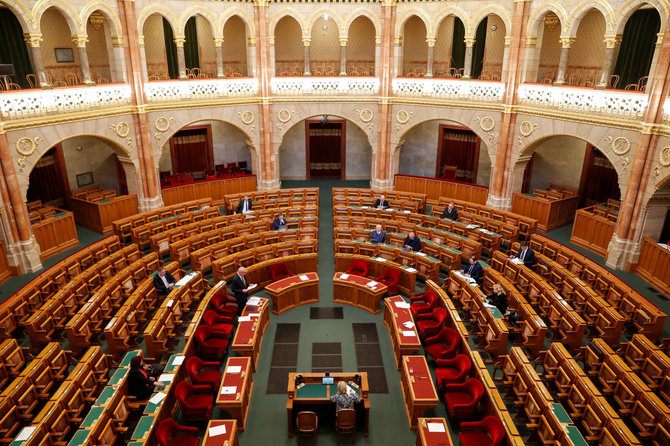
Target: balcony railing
{"x": 325, "y": 86}
{"x": 617, "y": 104}
{"x": 454, "y": 89}
{"x": 164, "y": 91}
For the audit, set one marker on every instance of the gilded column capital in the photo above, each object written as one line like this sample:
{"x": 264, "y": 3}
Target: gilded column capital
{"x": 531, "y": 41}
{"x": 306, "y": 40}
{"x": 469, "y": 41}
{"x": 567, "y": 41}
{"x": 118, "y": 40}
{"x": 251, "y": 40}
{"x": 343, "y": 41}
{"x": 431, "y": 40}
{"x": 378, "y": 40}
{"x": 611, "y": 40}
{"x": 33, "y": 39}
{"x": 179, "y": 41}
{"x": 271, "y": 40}
{"x": 397, "y": 40}
{"x": 388, "y": 2}
{"x": 218, "y": 41}
{"x": 508, "y": 40}
{"x": 261, "y": 2}
{"x": 79, "y": 40}
{"x": 659, "y": 39}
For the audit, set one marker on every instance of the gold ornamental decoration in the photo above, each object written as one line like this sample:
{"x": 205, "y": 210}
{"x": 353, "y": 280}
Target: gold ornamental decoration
{"x": 487, "y": 123}
{"x": 619, "y": 145}
{"x": 162, "y": 124}
{"x": 365, "y": 115}
{"x": 122, "y": 129}
{"x": 284, "y": 115}
{"x": 26, "y": 146}
{"x": 664, "y": 157}
{"x": 403, "y": 116}
{"x": 246, "y": 117}
{"x": 526, "y": 128}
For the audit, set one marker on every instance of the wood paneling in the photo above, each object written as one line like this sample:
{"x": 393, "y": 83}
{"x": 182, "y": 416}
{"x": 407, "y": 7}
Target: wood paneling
{"x": 5, "y": 271}
{"x": 550, "y": 214}
{"x": 435, "y": 188}
{"x": 592, "y": 232}
{"x": 214, "y": 189}
{"x": 654, "y": 265}
{"x": 100, "y": 215}
{"x": 55, "y": 234}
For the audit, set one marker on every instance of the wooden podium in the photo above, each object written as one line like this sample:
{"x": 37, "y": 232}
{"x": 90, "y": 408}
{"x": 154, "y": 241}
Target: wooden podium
{"x": 358, "y": 291}
{"x": 293, "y": 291}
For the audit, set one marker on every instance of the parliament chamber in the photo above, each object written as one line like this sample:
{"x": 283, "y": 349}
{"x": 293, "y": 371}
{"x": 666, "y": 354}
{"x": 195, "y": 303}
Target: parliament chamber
{"x": 387, "y": 222}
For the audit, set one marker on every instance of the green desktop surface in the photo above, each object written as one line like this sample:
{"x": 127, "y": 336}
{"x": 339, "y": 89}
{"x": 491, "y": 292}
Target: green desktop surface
{"x": 561, "y": 414}
{"x": 126, "y": 359}
{"x": 117, "y": 377}
{"x": 93, "y": 415}
{"x": 312, "y": 391}
{"x": 106, "y": 394}
{"x": 79, "y": 437}
{"x": 576, "y": 437}
{"x": 143, "y": 427}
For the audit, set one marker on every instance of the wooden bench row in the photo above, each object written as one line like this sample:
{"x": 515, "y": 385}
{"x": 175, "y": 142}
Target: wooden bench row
{"x": 232, "y": 200}
{"x": 280, "y": 203}
{"x": 402, "y": 205}
{"x": 373, "y": 194}
{"x": 466, "y": 220}
{"x": 141, "y": 234}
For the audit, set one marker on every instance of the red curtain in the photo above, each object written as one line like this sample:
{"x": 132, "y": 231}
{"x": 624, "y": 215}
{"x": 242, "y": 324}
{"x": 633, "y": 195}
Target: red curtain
{"x": 460, "y": 150}
{"x": 601, "y": 180}
{"x": 45, "y": 180}
{"x": 324, "y": 150}
{"x": 189, "y": 152}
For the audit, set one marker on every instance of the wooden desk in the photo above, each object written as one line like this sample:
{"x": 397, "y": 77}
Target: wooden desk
{"x": 249, "y": 334}
{"x": 549, "y": 213}
{"x": 426, "y": 438}
{"x": 237, "y": 403}
{"x": 98, "y": 216}
{"x": 418, "y": 389}
{"x": 55, "y": 234}
{"x": 377, "y": 266}
{"x": 654, "y": 265}
{"x": 217, "y": 189}
{"x": 313, "y": 393}
{"x": 591, "y": 231}
{"x": 405, "y": 340}
{"x": 434, "y": 188}
{"x": 227, "y": 439}
{"x": 293, "y": 291}
{"x": 358, "y": 291}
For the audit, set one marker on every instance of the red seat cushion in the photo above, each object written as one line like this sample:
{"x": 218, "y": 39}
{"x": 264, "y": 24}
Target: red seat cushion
{"x": 200, "y": 399}
{"x": 474, "y": 438}
{"x": 453, "y": 398}
{"x": 437, "y": 350}
{"x": 184, "y": 440}
{"x": 213, "y": 376}
{"x": 446, "y": 375}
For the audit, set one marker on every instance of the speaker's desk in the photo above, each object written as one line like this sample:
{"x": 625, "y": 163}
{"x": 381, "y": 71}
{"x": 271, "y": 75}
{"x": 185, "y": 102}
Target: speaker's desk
{"x": 433, "y": 432}
{"x": 312, "y": 393}
{"x": 250, "y": 329}
{"x": 293, "y": 291}
{"x": 235, "y": 389}
{"x": 215, "y": 436}
{"x": 358, "y": 291}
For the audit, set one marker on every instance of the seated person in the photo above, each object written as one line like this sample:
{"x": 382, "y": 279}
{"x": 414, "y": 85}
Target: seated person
{"x": 381, "y": 203}
{"x": 474, "y": 269}
{"x": 279, "y": 224}
{"x": 498, "y": 298}
{"x": 163, "y": 281}
{"x": 526, "y": 254}
{"x": 450, "y": 212}
{"x": 412, "y": 243}
{"x": 141, "y": 381}
{"x": 344, "y": 399}
{"x": 244, "y": 206}
{"x": 378, "y": 235}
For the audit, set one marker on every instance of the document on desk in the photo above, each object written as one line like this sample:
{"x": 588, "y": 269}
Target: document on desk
{"x": 244, "y": 319}
{"x": 402, "y": 305}
{"x": 380, "y": 259}
{"x": 228, "y": 390}
{"x": 178, "y": 360}
{"x": 166, "y": 377}
{"x": 254, "y": 301}
{"x": 254, "y": 315}
{"x": 371, "y": 284}
{"x": 408, "y": 324}
{"x": 217, "y": 430}
{"x": 410, "y": 270}
{"x": 408, "y": 333}
{"x": 422, "y": 254}
{"x": 234, "y": 369}
{"x": 303, "y": 277}
{"x": 157, "y": 398}
{"x": 25, "y": 433}
{"x": 344, "y": 276}
{"x": 436, "y": 427}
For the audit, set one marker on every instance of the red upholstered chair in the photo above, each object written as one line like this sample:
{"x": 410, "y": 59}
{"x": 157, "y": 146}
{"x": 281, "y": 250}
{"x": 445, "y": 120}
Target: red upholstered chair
{"x": 211, "y": 343}
{"x": 169, "y": 433}
{"x": 423, "y": 304}
{"x": 390, "y": 278}
{"x": 195, "y": 401}
{"x": 279, "y": 271}
{"x": 358, "y": 267}
{"x": 488, "y": 432}
{"x": 196, "y": 370}
{"x": 224, "y": 304}
{"x": 430, "y": 324}
{"x": 223, "y": 324}
{"x": 453, "y": 370}
{"x": 443, "y": 345}
{"x": 462, "y": 398}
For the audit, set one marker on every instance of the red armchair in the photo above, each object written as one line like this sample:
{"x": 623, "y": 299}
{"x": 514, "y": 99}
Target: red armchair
{"x": 211, "y": 343}
{"x": 224, "y": 304}
{"x": 196, "y": 370}
{"x": 223, "y": 324}
{"x": 358, "y": 267}
{"x": 488, "y": 432}
{"x": 443, "y": 345}
{"x": 430, "y": 324}
{"x": 195, "y": 401}
{"x": 423, "y": 304}
{"x": 462, "y": 398}
{"x": 169, "y": 433}
{"x": 453, "y": 370}
{"x": 279, "y": 271}
{"x": 390, "y": 278}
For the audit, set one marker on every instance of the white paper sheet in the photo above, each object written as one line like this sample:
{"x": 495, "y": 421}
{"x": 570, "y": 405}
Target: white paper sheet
{"x": 408, "y": 333}
{"x": 184, "y": 280}
{"x": 217, "y": 430}
{"x": 234, "y": 369}
{"x": 254, "y": 301}
{"x": 25, "y": 433}
{"x": 110, "y": 324}
{"x": 344, "y": 276}
{"x": 252, "y": 286}
{"x": 411, "y": 270}
{"x": 389, "y": 209}
{"x": 166, "y": 377}
{"x": 157, "y": 398}
{"x": 365, "y": 207}
{"x": 254, "y": 315}
{"x": 436, "y": 427}
{"x": 517, "y": 261}
{"x": 243, "y": 319}
{"x": 228, "y": 390}
{"x": 178, "y": 360}
{"x": 402, "y": 304}
{"x": 380, "y": 259}
{"x": 303, "y": 277}
{"x": 169, "y": 303}
{"x": 407, "y": 212}
{"x": 371, "y": 283}
{"x": 408, "y": 324}
{"x": 422, "y": 254}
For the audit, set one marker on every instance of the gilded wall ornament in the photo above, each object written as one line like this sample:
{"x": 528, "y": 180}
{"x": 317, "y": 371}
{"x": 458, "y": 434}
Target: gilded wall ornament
{"x": 366, "y": 115}
{"x": 487, "y": 123}
{"x": 26, "y": 147}
{"x": 619, "y": 145}
{"x": 664, "y": 157}
{"x": 162, "y": 124}
{"x": 526, "y": 128}
{"x": 122, "y": 129}
{"x": 403, "y": 116}
{"x": 624, "y": 164}
{"x": 247, "y": 118}
{"x": 283, "y": 116}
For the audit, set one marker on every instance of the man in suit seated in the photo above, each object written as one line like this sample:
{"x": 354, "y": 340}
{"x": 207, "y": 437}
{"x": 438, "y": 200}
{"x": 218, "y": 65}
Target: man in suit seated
{"x": 412, "y": 242}
{"x": 526, "y": 254}
{"x": 279, "y": 224}
{"x": 450, "y": 212}
{"x": 474, "y": 269}
{"x": 381, "y": 203}
{"x": 378, "y": 235}
{"x": 240, "y": 288}
{"x": 163, "y": 281}
{"x": 244, "y": 206}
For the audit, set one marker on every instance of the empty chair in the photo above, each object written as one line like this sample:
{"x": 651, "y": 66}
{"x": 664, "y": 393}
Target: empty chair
{"x": 223, "y": 324}
{"x": 430, "y": 324}
{"x": 423, "y": 304}
{"x": 198, "y": 372}
{"x": 345, "y": 423}
{"x": 358, "y": 267}
{"x": 224, "y": 304}
{"x": 279, "y": 271}
{"x": 452, "y": 370}
{"x": 443, "y": 345}
{"x": 390, "y": 278}
{"x": 195, "y": 401}
{"x": 169, "y": 433}
{"x": 211, "y": 344}
{"x": 462, "y": 398}
{"x": 307, "y": 424}
{"x": 488, "y": 432}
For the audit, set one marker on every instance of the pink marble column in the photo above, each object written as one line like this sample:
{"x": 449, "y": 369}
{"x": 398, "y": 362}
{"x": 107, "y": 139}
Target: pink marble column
{"x": 430, "y": 58}
{"x": 33, "y": 41}
{"x": 566, "y": 43}
{"x": 80, "y": 42}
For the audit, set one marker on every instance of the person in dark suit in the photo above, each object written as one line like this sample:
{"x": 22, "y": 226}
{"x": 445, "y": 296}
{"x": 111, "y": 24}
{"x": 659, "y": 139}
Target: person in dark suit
{"x": 163, "y": 281}
{"x": 140, "y": 382}
{"x": 474, "y": 269}
{"x": 450, "y": 212}
{"x": 279, "y": 223}
{"x": 244, "y": 206}
{"x": 378, "y": 235}
{"x": 498, "y": 298}
{"x": 412, "y": 242}
{"x": 526, "y": 254}
{"x": 240, "y": 288}
{"x": 381, "y": 203}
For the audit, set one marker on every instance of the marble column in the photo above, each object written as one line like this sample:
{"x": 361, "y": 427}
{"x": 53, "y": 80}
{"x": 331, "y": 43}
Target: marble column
{"x": 80, "y": 42}
{"x": 117, "y": 68}
{"x": 218, "y": 48}
{"x": 566, "y": 43}
{"x": 611, "y": 43}
{"x": 33, "y": 41}
{"x": 181, "y": 58}
{"x": 397, "y": 55}
{"x": 306, "y": 42}
{"x": 431, "y": 56}
{"x": 343, "y": 56}
{"x": 467, "y": 63}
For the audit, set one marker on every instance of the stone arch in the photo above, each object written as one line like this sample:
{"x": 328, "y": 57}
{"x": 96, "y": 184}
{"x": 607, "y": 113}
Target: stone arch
{"x": 536, "y": 18}
{"x": 68, "y": 12}
{"x": 318, "y": 14}
{"x": 363, "y": 12}
{"x": 450, "y": 9}
{"x": 161, "y": 10}
{"x": 578, "y": 13}
{"x": 23, "y": 15}
{"x": 288, "y": 12}
{"x": 109, "y": 13}
{"x": 496, "y": 9}
{"x": 232, "y": 12}
{"x": 628, "y": 8}
{"x": 192, "y": 12}
{"x": 420, "y": 13}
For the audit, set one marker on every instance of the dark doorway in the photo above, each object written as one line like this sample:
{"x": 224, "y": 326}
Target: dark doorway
{"x": 599, "y": 178}
{"x": 191, "y": 150}
{"x": 458, "y": 147}
{"x": 48, "y": 180}
{"x": 525, "y": 185}
{"x": 326, "y": 148}
{"x": 665, "y": 232}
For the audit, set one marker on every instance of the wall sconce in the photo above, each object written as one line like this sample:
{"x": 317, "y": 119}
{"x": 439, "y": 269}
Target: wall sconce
{"x": 493, "y": 27}
{"x": 79, "y": 148}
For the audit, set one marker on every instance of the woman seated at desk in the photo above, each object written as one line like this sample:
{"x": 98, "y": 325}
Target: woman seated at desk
{"x": 344, "y": 399}
{"x": 140, "y": 380}
{"x": 498, "y": 298}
